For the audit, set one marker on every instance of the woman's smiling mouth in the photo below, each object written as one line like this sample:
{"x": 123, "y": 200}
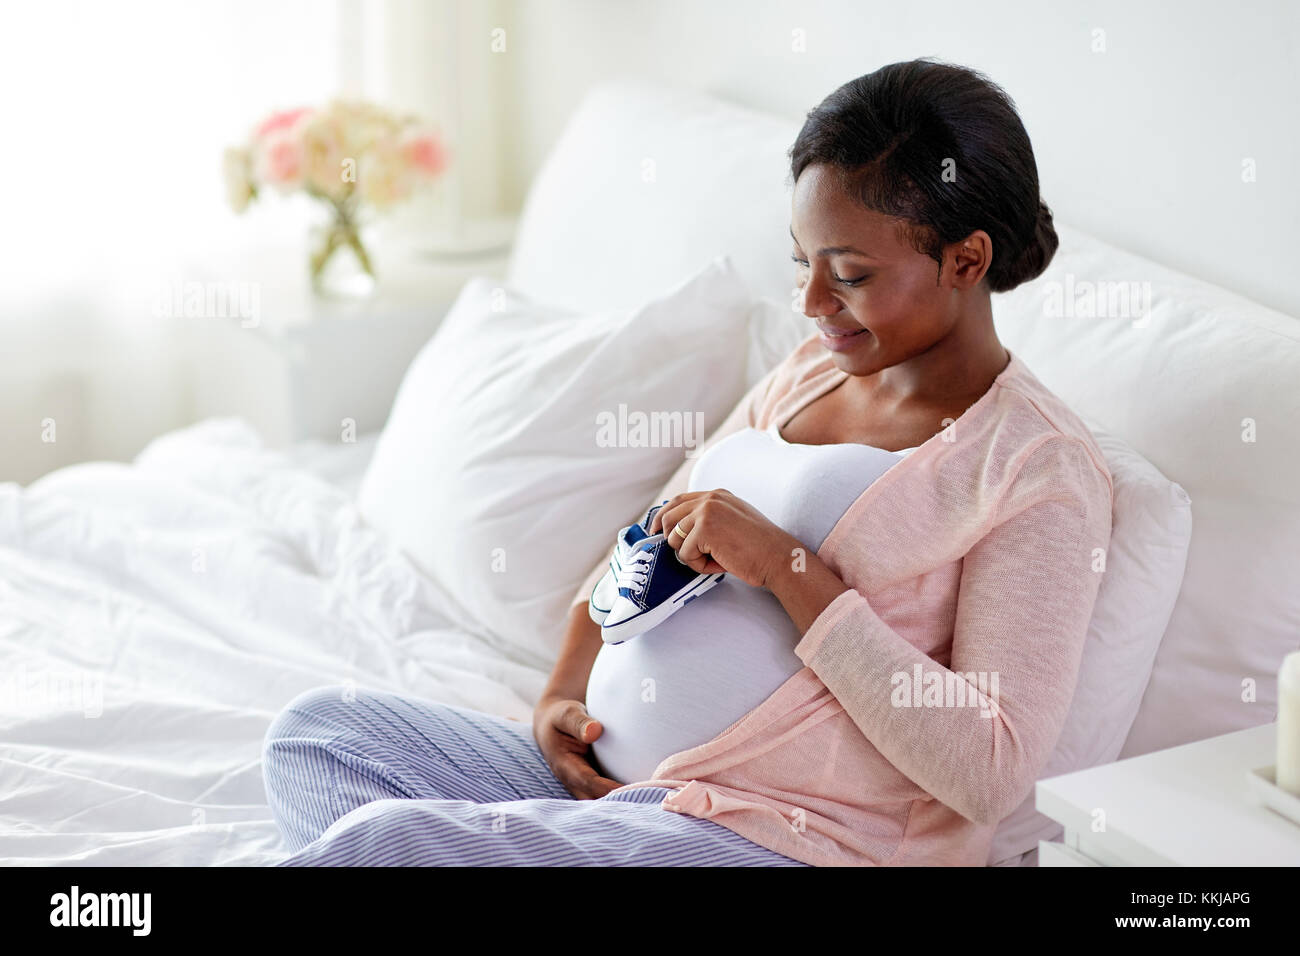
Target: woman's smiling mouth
{"x": 838, "y": 340}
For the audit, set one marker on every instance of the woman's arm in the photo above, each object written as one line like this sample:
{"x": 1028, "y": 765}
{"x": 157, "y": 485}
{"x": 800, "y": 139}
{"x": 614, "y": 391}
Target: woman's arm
{"x": 1024, "y": 604}
{"x": 563, "y": 729}
{"x": 581, "y": 645}
{"x": 805, "y": 587}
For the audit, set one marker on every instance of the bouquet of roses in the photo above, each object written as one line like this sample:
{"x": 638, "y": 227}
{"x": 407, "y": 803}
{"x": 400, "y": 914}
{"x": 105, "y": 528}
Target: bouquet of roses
{"x": 347, "y": 155}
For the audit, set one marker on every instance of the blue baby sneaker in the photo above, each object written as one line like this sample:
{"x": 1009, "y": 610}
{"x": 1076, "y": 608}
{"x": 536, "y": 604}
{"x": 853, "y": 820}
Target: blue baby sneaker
{"x": 605, "y": 593}
{"x": 652, "y": 585}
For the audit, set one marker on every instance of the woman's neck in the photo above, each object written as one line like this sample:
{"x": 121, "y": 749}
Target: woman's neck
{"x": 960, "y": 366}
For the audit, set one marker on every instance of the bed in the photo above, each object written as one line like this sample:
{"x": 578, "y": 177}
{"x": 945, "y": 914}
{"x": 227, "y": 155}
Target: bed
{"x": 155, "y": 616}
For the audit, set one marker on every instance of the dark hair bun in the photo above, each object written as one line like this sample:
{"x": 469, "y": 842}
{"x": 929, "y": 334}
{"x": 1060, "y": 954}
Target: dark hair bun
{"x": 1032, "y": 260}
{"x": 893, "y": 130}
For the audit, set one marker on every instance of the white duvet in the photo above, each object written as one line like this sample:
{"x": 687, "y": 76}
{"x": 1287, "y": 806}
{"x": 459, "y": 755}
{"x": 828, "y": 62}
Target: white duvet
{"x": 155, "y": 617}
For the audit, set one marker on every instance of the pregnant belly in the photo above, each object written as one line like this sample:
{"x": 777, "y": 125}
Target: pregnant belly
{"x": 682, "y": 683}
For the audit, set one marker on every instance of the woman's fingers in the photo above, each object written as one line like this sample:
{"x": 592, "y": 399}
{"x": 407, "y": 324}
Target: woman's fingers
{"x": 589, "y": 783}
{"x": 573, "y": 719}
{"x": 580, "y": 778}
{"x": 564, "y": 735}
{"x": 691, "y": 547}
{"x": 695, "y": 518}
{"x": 682, "y": 517}
{"x": 692, "y": 553}
{"x": 668, "y": 515}
{"x": 690, "y": 550}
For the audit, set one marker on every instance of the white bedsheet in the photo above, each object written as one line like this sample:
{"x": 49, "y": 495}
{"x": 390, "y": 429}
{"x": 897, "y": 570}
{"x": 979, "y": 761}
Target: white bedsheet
{"x": 154, "y": 617}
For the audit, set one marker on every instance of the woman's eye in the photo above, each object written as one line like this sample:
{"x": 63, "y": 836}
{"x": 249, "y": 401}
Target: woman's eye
{"x": 841, "y": 281}
{"x": 837, "y": 278}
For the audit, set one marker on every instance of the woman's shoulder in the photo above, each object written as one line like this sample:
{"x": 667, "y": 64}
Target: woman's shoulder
{"x": 1051, "y": 440}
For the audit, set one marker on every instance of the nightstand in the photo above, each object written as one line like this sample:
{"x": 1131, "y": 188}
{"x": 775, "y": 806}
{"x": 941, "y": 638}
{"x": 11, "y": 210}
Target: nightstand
{"x": 1185, "y": 806}
{"x": 305, "y": 365}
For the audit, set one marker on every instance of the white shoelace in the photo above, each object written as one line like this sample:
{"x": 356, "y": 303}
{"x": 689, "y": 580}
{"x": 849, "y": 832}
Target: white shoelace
{"x": 634, "y": 573}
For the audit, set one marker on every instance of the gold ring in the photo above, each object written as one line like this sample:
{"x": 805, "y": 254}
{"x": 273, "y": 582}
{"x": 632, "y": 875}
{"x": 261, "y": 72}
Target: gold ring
{"x": 677, "y": 529}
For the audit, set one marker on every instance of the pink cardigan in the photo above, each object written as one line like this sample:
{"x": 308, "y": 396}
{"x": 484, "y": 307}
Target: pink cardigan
{"x": 976, "y": 552}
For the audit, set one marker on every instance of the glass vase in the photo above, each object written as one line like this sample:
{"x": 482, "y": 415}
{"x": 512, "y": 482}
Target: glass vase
{"x": 340, "y": 265}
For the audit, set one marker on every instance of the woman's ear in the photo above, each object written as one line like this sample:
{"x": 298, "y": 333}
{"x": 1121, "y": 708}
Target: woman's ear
{"x": 970, "y": 259}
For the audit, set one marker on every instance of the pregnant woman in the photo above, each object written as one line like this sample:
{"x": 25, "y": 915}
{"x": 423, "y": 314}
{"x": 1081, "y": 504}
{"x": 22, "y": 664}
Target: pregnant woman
{"x": 908, "y": 520}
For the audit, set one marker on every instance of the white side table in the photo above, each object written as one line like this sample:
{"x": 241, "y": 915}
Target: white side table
{"x": 1185, "y": 806}
{"x": 307, "y": 364}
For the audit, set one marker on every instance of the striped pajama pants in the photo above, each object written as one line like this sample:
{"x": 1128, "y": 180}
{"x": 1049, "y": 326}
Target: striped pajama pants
{"x": 366, "y": 778}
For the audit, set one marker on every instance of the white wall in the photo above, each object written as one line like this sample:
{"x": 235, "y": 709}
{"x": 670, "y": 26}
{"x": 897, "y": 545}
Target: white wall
{"x": 1141, "y": 145}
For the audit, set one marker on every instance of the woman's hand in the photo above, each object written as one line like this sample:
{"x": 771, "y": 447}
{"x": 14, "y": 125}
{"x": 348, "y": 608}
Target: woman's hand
{"x": 724, "y": 533}
{"x": 564, "y": 734}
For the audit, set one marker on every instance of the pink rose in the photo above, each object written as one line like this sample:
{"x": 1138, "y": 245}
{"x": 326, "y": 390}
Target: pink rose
{"x": 426, "y": 154}
{"x": 279, "y": 159}
{"x": 284, "y": 120}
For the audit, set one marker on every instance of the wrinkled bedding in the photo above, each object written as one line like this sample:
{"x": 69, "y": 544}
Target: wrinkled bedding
{"x": 154, "y": 617}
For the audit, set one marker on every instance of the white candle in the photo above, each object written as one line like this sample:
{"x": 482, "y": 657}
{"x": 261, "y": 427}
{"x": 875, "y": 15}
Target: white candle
{"x": 1288, "y": 724}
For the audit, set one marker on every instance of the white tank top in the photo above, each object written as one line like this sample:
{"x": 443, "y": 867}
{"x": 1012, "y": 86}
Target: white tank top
{"x": 682, "y": 683}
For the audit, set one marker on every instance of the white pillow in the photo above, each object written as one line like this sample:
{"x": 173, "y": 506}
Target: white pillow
{"x": 775, "y": 330}
{"x": 1203, "y": 382}
{"x": 649, "y": 182}
{"x": 1151, "y": 529}
{"x": 492, "y": 472}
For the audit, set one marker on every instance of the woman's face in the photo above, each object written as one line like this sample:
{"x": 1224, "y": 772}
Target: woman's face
{"x": 876, "y": 299}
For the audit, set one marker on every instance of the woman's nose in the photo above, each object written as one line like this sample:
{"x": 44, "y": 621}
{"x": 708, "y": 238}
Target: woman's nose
{"x": 817, "y": 300}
